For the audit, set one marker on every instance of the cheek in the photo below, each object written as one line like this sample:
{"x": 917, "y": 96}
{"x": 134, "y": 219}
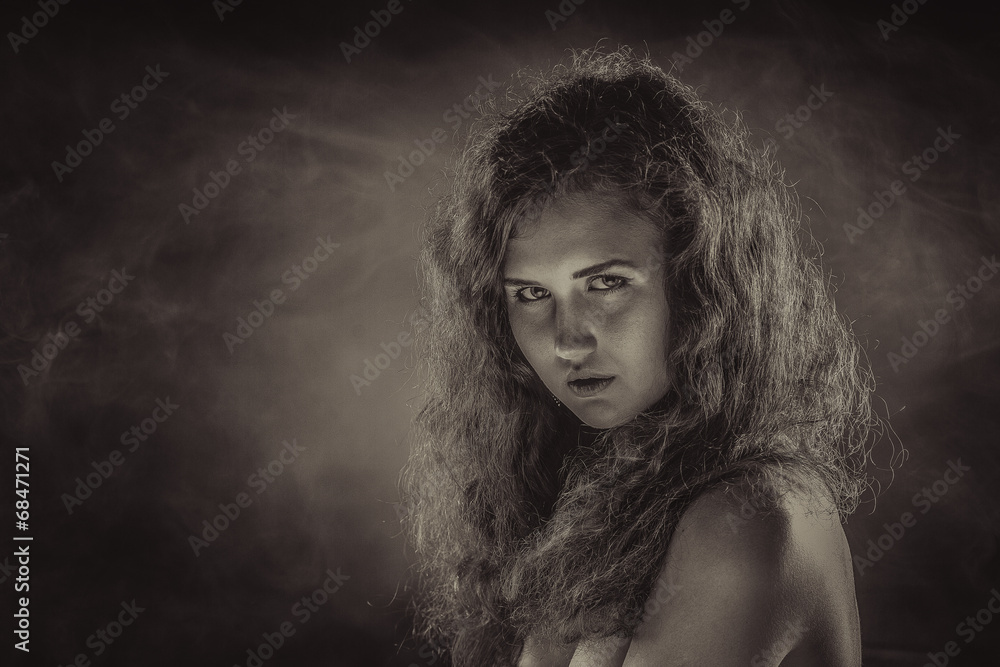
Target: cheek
{"x": 529, "y": 336}
{"x": 639, "y": 340}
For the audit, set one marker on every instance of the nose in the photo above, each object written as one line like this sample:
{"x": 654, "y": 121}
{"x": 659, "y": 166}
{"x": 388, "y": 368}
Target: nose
{"x": 575, "y": 333}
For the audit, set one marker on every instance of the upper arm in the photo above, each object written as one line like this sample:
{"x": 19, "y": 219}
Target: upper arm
{"x": 748, "y": 588}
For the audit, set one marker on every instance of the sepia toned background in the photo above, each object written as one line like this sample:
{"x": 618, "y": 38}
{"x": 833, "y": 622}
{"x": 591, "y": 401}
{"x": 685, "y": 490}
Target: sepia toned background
{"x": 287, "y": 428}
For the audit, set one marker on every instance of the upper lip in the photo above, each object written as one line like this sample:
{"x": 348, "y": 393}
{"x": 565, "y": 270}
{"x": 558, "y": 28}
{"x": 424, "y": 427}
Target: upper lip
{"x": 587, "y": 375}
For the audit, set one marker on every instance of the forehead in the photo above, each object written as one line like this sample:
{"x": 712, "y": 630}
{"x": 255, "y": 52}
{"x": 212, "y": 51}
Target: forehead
{"x": 580, "y": 227}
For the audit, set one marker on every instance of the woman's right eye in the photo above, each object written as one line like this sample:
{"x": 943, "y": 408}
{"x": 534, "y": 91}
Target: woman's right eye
{"x": 529, "y": 294}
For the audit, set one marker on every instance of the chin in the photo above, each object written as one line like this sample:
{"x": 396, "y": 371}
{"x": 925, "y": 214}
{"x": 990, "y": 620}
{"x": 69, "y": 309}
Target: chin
{"x": 604, "y": 415}
{"x": 601, "y": 418}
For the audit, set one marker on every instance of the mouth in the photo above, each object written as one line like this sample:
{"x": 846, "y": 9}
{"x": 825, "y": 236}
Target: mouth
{"x": 586, "y": 387}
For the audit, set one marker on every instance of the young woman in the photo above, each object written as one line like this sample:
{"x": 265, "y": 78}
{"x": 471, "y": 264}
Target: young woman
{"x": 644, "y": 419}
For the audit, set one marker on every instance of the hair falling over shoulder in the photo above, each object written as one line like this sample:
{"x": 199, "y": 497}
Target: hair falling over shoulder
{"x": 519, "y": 529}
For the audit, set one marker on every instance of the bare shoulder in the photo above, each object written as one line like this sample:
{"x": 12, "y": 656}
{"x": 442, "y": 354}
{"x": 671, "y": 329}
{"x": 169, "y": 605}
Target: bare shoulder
{"x": 755, "y": 574}
{"x": 767, "y": 529}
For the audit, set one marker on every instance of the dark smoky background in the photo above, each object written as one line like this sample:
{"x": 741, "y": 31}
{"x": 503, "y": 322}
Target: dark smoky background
{"x": 329, "y": 517}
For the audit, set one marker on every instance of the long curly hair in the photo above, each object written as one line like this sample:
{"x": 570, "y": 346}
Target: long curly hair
{"x": 522, "y": 525}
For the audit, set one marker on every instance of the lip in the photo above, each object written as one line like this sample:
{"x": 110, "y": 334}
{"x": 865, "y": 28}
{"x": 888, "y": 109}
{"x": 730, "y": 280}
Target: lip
{"x": 586, "y": 386}
{"x": 586, "y": 375}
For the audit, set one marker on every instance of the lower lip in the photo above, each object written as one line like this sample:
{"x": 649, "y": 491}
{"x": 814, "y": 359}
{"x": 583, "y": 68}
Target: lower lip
{"x": 591, "y": 388}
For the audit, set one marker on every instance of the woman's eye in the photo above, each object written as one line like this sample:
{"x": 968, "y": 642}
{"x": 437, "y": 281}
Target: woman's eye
{"x": 608, "y": 283}
{"x": 531, "y": 293}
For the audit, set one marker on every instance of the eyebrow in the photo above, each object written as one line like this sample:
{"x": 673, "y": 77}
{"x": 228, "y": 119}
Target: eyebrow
{"x": 594, "y": 270}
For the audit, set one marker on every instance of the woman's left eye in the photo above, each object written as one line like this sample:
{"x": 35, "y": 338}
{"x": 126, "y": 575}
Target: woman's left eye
{"x": 611, "y": 283}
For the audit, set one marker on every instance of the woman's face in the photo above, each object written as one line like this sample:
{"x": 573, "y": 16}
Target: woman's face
{"x": 585, "y": 299}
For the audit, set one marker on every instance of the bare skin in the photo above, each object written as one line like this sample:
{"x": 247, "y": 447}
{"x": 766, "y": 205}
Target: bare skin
{"x": 740, "y": 589}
